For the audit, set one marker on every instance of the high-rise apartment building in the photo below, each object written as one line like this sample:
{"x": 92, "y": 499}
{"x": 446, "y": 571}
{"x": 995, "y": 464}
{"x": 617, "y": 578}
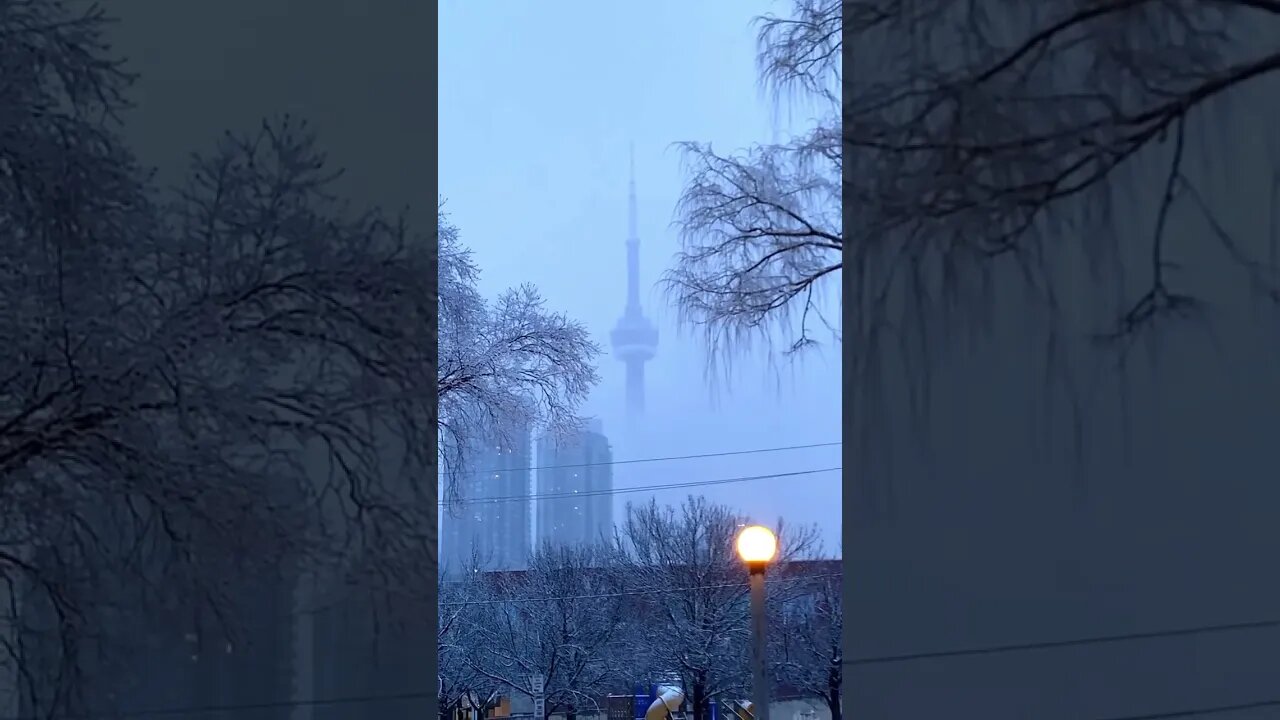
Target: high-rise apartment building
{"x": 574, "y": 487}
{"x": 492, "y": 521}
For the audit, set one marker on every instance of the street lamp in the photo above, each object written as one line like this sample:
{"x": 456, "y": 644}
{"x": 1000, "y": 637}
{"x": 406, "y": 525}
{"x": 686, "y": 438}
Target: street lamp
{"x": 757, "y": 546}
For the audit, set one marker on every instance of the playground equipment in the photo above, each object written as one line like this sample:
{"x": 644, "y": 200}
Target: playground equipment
{"x": 666, "y": 704}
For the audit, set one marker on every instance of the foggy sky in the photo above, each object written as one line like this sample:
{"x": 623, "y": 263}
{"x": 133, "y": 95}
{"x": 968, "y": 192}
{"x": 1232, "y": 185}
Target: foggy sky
{"x": 538, "y": 102}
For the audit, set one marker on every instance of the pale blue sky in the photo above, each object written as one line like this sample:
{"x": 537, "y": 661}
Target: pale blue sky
{"x": 538, "y": 102}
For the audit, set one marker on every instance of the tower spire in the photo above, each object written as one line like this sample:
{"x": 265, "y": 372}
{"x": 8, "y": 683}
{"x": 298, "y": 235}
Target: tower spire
{"x": 633, "y": 234}
{"x": 633, "y": 240}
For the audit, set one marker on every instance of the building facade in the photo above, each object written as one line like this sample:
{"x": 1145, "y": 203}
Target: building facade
{"x": 575, "y": 487}
{"x": 491, "y": 524}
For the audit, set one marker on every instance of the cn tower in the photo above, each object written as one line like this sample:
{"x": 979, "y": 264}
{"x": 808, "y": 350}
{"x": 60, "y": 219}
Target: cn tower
{"x": 634, "y": 338}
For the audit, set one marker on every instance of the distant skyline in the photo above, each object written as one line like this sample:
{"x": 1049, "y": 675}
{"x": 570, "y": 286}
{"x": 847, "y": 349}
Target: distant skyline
{"x": 547, "y": 204}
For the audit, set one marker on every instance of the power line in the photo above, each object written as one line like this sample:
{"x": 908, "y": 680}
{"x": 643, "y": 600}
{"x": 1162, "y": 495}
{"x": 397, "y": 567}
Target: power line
{"x": 698, "y": 456}
{"x": 1199, "y": 712}
{"x": 1048, "y": 645}
{"x": 639, "y": 488}
{"x": 630, "y": 593}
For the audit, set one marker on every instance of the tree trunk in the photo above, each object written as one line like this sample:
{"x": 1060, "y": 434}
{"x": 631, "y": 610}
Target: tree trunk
{"x": 833, "y": 700}
{"x": 571, "y": 713}
{"x": 698, "y": 701}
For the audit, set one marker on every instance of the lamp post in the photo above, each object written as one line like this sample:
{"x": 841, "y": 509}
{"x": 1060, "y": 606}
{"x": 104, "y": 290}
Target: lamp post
{"x": 757, "y": 546}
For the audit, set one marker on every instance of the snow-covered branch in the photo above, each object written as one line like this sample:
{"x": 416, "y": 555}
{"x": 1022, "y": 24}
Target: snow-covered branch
{"x": 566, "y": 619}
{"x": 505, "y": 363}
{"x": 694, "y": 599}
{"x": 807, "y": 636}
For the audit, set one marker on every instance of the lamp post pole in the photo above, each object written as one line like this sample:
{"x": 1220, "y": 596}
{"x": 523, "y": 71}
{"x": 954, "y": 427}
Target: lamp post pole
{"x": 759, "y": 691}
{"x": 757, "y": 546}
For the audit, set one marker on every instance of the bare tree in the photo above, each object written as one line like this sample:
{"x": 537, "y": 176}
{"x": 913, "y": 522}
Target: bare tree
{"x": 457, "y": 644}
{"x": 761, "y": 230}
{"x": 807, "y": 639}
{"x": 504, "y": 364}
{"x": 224, "y": 382}
{"x": 566, "y": 619}
{"x": 694, "y": 594}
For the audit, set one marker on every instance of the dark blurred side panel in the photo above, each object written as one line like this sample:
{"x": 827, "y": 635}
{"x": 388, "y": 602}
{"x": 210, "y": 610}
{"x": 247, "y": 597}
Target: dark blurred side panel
{"x": 362, "y": 75}
{"x": 1085, "y": 525}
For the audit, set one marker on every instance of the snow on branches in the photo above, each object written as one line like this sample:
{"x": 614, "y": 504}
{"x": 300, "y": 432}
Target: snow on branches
{"x": 564, "y": 618}
{"x": 698, "y": 601}
{"x": 666, "y": 600}
{"x": 504, "y": 364}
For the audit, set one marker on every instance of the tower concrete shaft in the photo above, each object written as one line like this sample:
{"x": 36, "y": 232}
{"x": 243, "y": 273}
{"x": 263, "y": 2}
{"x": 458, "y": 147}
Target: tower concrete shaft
{"x": 634, "y": 338}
